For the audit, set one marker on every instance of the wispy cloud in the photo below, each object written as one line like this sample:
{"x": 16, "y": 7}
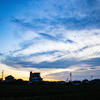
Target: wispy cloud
{"x": 1, "y": 54}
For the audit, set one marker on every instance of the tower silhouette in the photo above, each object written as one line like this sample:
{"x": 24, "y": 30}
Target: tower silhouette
{"x": 71, "y": 76}
{"x": 2, "y": 74}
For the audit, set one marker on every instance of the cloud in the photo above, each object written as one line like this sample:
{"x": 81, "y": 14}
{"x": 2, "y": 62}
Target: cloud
{"x": 92, "y": 62}
{"x": 74, "y": 15}
{"x": 1, "y": 54}
{"x": 47, "y": 53}
{"x": 83, "y": 42}
{"x": 54, "y": 59}
{"x": 70, "y": 41}
{"x": 14, "y": 20}
{"x": 25, "y": 25}
{"x": 77, "y": 15}
{"x": 47, "y": 36}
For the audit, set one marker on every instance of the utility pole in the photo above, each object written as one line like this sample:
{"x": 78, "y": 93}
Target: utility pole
{"x": 67, "y": 80}
{"x": 71, "y": 76}
{"x": 2, "y": 75}
{"x": 91, "y": 77}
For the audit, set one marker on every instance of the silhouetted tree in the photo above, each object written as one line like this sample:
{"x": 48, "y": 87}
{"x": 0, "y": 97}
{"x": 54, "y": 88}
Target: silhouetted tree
{"x": 19, "y": 81}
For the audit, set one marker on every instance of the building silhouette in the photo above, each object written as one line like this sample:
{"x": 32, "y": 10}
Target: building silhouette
{"x": 34, "y": 77}
{"x": 9, "y": 78}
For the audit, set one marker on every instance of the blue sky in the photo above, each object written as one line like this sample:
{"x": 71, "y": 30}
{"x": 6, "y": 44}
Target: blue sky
{"x": 54, "y": 37}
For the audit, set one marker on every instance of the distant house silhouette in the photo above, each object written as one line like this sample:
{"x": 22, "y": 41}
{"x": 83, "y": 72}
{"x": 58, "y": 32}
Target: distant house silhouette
{"x": 85, "y": 81}
{"x": 76, "y": 82}
{"x": 35, "y": 77}
{"x": 9, "y": 78}
{"x": 95, "y": 81}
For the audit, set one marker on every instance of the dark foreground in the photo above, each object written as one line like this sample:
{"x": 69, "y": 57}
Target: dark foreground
{"x": 49, "y": 92}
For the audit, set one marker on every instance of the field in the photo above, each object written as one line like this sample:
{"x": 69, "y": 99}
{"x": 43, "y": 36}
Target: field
{"x": 49, "y": 92}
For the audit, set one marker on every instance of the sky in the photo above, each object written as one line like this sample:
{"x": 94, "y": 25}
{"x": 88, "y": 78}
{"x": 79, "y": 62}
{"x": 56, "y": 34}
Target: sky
{"x": 53, "y": 37}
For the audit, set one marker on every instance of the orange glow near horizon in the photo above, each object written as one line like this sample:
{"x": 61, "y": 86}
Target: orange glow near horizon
{"x": 24, "y": 73}
{"x": 51, "y": 80}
